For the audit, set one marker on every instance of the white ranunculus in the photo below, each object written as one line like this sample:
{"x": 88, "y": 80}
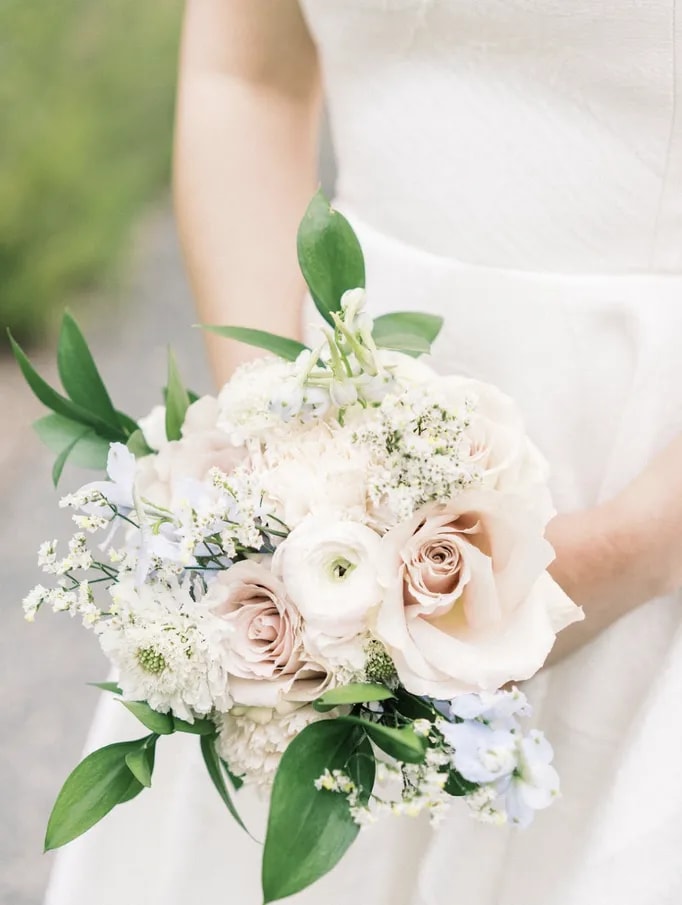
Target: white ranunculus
{"x": 469, "y": 605}
{"x": 497, "y": 439}
{"x": 328, "y": 568}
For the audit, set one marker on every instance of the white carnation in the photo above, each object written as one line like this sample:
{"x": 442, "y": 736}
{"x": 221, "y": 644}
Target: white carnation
{"x": 252, "y": 739}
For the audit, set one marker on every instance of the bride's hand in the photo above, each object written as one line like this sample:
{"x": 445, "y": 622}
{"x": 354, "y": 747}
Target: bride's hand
{"x": 616, "y": 556}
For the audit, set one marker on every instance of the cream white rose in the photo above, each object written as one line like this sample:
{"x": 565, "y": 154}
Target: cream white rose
{"x": 163, "y": 478}
{"x": 328, "y": 568}
{"x": 266, "y": 661}
{"x": 468, "y": 604}
{"x": 496, "y": 440}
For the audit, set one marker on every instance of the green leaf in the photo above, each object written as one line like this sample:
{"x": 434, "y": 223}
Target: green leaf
{"x": 106, "y": 686}
{"x": 177, "y": 400}
{"x": 355, "y": 693}
{"x": 57, "y": 432}
{"x": 236, "y": 781}
{"x": 289, "y": 349}
{"x": 96, "y": 786}
{"x": 58, "y": 403}
{"x": 409, "y": 344}
{"x": 215, "y": 771}
{"x": 79, "y": 374}
{"x": 141, "y": 761}
{"x": 404, "y": 744}
{"x": 457, "y": 785}
{"x": 133, "y": 790}
{"x": 414, "y": 707}
{"x": 161, "y": 723}
{"x": 329, "y": 255}
{"x": 138, "y": 445}
{"x": 309, "y": 831}
{"x": 406, "y": 324}
{"x": 60, "y": 461}
{"x": 198, "y": 727}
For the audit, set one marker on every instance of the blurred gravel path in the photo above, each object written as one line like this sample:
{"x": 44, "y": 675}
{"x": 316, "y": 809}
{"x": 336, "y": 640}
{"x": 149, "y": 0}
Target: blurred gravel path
{"x": 45, "y": 707}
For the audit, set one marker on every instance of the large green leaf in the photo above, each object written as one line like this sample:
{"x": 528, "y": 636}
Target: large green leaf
{"x": 161, "y": 723}
{"x": 329, "y": 255}
{"x": 411, "y": 332}
{"x": 57, "y": 433}
{"x": 141, "y": 761}
{"x": 281, "y": 346}
{"x": 60, "y": 404}
{"x": 457, "y": 785}
{"x": 79, "y": 374}
{"x": 355, "y": 693}
{"x": 111, "y": 687}
{"x": 309, "y": 831}
{"x": 215, "y": 771}
{"x": 96, "y": 786}
{"x": 61, "y": 459}
{"x": 138, "y": 445}
{"x": 177, "y": 400}
{"x": 404, "y": 744}
{"x": 198, "y": 727}
{"x": 407, "y": 323}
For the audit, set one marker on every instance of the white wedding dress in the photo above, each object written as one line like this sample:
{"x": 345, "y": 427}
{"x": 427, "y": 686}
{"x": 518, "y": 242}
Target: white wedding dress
{"x": 515, "y": 165}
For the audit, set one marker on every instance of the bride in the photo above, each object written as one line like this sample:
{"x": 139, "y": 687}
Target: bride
{"x": 516, "y": 167}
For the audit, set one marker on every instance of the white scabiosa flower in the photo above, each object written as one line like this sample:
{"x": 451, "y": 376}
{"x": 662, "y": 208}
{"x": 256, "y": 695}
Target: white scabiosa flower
{"x": 166, "y": 650}
{"x": 328, "y": 568}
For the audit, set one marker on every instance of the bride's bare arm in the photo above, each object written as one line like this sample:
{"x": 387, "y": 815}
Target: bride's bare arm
{"x": 616, "y": 556}
{"x": 245, "y": 163}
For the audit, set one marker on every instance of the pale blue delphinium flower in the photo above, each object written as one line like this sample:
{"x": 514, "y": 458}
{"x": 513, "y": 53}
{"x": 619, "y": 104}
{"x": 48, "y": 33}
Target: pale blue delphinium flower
{"x": 481, "y": 754}
{"x": 534, "y": 784}
{"x": 492, "y": 707}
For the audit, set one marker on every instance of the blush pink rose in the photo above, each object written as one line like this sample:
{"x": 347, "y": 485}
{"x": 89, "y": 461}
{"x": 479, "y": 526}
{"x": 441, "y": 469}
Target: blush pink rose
{"x": 266, "y": 660}
{"x": 468, "y": 604}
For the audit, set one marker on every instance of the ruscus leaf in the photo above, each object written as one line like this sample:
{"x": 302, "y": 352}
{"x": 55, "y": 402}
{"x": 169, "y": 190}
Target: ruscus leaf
{"x": 282, "y": 346}
{"x": 404, "y": 744}
{"x": 63, "y": 456}
{"x": 356, "y": 693}
{"x": 97, "y": 785}
{"x": 161, "y": 723}
{"x": 406, "y": 323}
{"x": 106, "y": 686}
{"x": 138, "y": 445}
{"x": 215, "y": 771}
{"x": 58, "y": 403}
{"x": 309, "y": 831}
{"x": 141, "y": 761}
{"x": 57, "y": 432}
{"x": 79, "y": 374}
{"x": 177, "y": 400}
{"x": 329, "y": 255}
{"x": 198, "y": 727}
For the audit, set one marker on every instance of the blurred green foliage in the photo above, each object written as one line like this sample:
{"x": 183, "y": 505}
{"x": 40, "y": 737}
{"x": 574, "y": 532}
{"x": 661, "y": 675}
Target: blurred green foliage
{"x": 86, "y": 106}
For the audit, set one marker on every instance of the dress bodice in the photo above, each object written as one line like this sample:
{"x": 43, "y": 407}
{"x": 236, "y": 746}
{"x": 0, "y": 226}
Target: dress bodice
{"x": 541, "y": 135}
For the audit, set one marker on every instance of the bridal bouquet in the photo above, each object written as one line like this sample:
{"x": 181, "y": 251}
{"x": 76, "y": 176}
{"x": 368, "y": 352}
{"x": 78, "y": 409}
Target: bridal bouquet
{"x": 331, "y": 574}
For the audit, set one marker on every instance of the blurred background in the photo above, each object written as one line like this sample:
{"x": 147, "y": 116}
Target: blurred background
{"x": 86, "y": 111}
